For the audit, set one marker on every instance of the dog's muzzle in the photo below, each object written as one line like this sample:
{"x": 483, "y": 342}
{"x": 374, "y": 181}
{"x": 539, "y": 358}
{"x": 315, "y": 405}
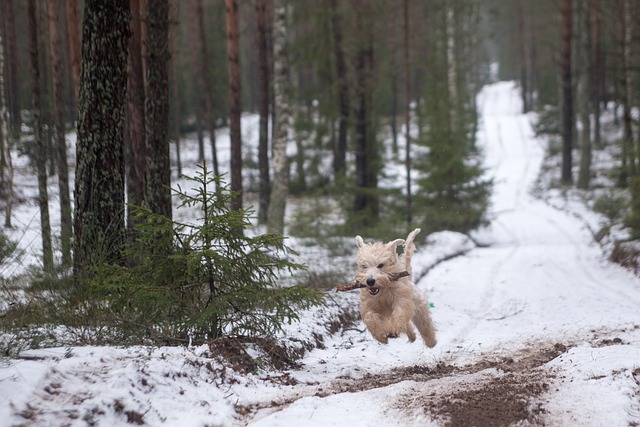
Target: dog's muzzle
{"x": 373, "y": 290}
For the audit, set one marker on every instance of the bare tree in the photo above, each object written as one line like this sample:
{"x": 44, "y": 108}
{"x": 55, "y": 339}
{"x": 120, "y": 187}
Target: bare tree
{"x": 235, "y": 106}
{"x": 585, "y": 83}
{"x": 5, "y": 142}
{"x": 207, "y": 87}
{"x": 407, "y": 109}
{"x": 66, "y": 223}
{"x": 40, "y": 148}
{"x": 263, "y": 145}
{"x": 73, "y": 37}
{"x": 340, "y": 153}
{"x": 567, "y": 91}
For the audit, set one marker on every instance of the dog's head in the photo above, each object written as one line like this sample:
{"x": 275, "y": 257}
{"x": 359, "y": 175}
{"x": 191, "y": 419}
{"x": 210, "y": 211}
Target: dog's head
{"x": 375, "y": 261}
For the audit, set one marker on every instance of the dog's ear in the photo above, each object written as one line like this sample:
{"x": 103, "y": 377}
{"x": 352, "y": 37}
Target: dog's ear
{"x": 359, "y": 242}
{"x": 395, "y": 243}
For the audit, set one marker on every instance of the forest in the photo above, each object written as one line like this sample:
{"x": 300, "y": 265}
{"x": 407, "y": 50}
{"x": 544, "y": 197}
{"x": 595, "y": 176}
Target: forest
{"x": 366, "y": 119}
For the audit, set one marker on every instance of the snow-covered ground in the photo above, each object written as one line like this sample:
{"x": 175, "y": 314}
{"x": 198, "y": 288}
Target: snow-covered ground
{"x": 535, "y": 327}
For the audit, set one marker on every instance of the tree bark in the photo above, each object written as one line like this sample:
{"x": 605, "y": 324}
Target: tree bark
{"x": 235, "y": 102}
{"x": 197, "y": 84}
{"x": 407, "y": 111}
{"x": 340, "y": 154}
{"x": 99, "y": 184}
{"x": 66, "y": 223}
{"x": 157, "y": 109}
{"x": 282, "y": 113}
{"x": 263, "y": 145}
{"x": 207, "y": 87}
{"x": 5, "y": 140}
{"x": 40, "y": 145}
{"x": 567, "y": 92}
{"x": 585, "y": 84}
{"x": 11, "y": 58}
{"x": 73, "y": 36}
{"x": 366, "y": 203}
{"x": 135, "y": 135}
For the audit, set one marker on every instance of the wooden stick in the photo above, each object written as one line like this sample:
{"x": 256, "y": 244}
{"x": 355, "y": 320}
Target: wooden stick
{"x": 354, "y": 284}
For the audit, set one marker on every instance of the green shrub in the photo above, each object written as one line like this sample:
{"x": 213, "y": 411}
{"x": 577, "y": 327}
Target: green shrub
{"x": 202, "y": 280}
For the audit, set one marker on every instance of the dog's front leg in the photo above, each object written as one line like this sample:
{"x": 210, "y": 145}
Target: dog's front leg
{"x": 400, "y": 320}
{"x": 375, "y": 324}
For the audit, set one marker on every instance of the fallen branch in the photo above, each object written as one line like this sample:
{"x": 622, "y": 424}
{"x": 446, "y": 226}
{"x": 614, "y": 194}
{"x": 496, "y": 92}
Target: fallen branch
{"x": 354, "y": 284}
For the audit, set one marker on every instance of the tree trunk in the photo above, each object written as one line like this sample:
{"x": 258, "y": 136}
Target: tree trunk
{"x": 340, "y": 154}
{"x": 597, "y": 71}
{"x": 197, "y": 84}
{"x": 5, "y": 140}
{"x": 366, "y": 203}
{"x": 40, "y": 146}
{"x": 629, "y": 156}
{"x": 407, "y": 112}
{"x": 66, "y": 223}
{"x": 452, "y": 72}
{"x": 99, "y": 184}
{"x": 157, "y": 109}
{"x": 207, "y": 87}
{"x": 11, "y": 58}
{"x": 567, "y": 92}
{"x": 263, "y": 145}
{"x": 585, "y": 84}
{"x": 73, "y": 32}
{"x": 235, "y": 102}
{"x": 135, "y": 138}
{"x": 175, "y": 98}
{"x": 282, "y": 113}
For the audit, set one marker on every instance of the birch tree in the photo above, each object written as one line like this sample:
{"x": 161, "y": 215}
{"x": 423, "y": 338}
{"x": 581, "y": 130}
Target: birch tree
{"x": 282, "y": 112}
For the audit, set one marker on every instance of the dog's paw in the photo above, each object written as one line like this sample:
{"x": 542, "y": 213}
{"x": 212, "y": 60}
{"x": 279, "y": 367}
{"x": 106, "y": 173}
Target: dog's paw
{"x": 393, "y": 335}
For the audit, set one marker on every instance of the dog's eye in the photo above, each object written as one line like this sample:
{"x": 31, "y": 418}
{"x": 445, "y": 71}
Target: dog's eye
{"x": 363, "y": 267}
{"x": 380, "y": 265}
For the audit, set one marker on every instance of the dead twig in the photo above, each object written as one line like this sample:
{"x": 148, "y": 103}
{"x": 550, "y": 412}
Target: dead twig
{"x": 354, "y": 284}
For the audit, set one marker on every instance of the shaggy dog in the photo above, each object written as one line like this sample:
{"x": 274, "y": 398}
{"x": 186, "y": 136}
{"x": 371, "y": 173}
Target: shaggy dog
{"x": 390, "y": 306}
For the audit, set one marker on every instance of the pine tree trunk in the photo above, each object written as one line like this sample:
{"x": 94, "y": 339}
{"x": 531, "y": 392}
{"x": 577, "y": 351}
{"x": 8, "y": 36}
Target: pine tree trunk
{"x": 567, "y": 92}
{"x": 135, "y": 138}
{"x": 66, "y": 223}
{"x": 99, "y": 183}
{"x": 235, "y": 102}
{"x": 40, "y": 146}
{"x": 175, "y": 98}
{"x": 197, "y": 84}
{"x": 11, "y": 58}
{"x": 584, "y": 93}
{"x": 5, "y": 140}
{"x": 598, "y": 70}
{"x": 157, "y": 109}
{"x": 366, "y": 203}
{"x": 207, "y": 87}
{"x": 340, "y": 155}
{"x": 73, "y": 37}
{"x": 407, "y": 112}
{"x": 629, "y": 155}
{"x": 282, "y": 113}
{"x": 263, "y": 145}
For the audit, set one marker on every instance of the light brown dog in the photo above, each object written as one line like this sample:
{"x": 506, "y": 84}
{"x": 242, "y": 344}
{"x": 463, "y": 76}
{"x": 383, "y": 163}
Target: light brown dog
{"x": 391, "y": 307}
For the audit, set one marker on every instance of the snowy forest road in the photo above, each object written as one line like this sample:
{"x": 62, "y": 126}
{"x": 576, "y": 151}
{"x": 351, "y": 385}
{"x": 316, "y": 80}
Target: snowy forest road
{"x": 534, "y": 326}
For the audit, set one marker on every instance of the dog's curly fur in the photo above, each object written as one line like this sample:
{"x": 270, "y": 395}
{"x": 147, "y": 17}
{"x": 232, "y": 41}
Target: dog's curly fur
{"x": 390, "y": 308}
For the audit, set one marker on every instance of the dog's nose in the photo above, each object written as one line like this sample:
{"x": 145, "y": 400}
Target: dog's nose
{"x": 371, "y": 282}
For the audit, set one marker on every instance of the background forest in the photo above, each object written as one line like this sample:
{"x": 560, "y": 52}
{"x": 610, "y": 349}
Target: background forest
{"x": 367, "y": 125}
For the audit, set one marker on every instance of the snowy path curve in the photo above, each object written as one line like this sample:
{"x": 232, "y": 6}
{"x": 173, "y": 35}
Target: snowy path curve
{"x": 540, "y": 284}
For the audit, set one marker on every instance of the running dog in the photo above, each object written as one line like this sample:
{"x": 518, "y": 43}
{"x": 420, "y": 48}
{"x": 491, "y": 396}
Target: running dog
{"x": 389, "y": 305}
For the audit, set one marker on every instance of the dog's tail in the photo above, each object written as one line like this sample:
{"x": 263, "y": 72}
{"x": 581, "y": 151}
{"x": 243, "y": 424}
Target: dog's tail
{"x": 422, "y": 320}
{"x": 409, "y": 248}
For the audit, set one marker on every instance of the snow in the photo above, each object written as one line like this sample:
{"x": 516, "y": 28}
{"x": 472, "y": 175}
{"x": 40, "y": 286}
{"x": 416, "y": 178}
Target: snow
{"x": 537, "y": 280}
